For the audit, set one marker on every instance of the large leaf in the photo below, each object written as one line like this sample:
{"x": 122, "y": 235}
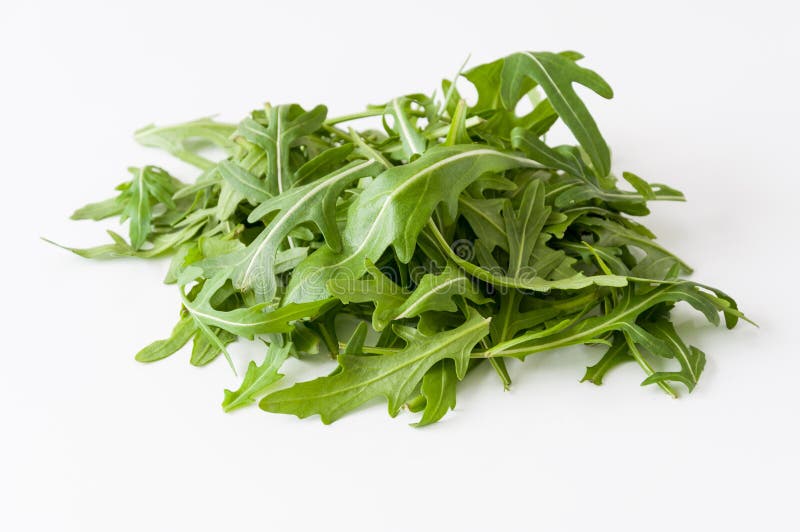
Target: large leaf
{"x": 393, "y": 376}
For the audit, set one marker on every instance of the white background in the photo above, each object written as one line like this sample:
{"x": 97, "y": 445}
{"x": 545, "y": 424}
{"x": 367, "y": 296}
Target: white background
{"x": 706, "y": 100}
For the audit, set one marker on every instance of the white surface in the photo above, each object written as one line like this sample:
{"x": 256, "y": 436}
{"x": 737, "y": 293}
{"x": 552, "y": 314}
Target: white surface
{"x": 706, "y": 100}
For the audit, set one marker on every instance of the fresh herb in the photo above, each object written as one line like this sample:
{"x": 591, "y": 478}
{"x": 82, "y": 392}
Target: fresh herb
{"x": 454, "y": 232}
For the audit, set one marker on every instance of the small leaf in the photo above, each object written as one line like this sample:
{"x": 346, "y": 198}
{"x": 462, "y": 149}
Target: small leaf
{"x": 258, "y": 378}
{"x": 691, "y": 359}
{"x": 411, "y": 138}
{"x": 439, "y": 390}
{"x": 181, "y": 334}
{"x": 175, "y": 139}
{"x": 100, "y": 210}
{"x": 243, "y": 182}
{"x": 614, "y": 356}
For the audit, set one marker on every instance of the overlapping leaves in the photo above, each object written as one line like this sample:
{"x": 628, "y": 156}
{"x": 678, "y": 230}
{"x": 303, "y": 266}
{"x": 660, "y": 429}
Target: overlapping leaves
{"x": 453, "y": 231}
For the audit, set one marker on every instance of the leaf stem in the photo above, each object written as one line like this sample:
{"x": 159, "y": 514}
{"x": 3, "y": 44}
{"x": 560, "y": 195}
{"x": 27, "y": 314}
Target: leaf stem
{"x": 354, "y": 116}
{"x": 336, "y": 131}
{"x": 442, "y": 131}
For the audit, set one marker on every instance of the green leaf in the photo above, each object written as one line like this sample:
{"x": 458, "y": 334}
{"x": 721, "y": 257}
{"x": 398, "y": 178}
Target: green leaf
{"x": 616, "y": 354}
{"x": 437, "y": 293}
{"x": 485, "y": 79}
{"x": 485, "y": 218}
{"x": 439, "y": 389}
{"x": 100, "y": 210}
{"x": 247, "y": 321}
{"x": 691, "y": 359}
{"x": 162, "y": 244}
{"x": 208, "y": 344}
{"x": 457, "y": 133}
{"x": 658, "y": 260}
{"x": 181, "y": 334}
{"x": 181, "y": 139}
{"x": 377, "y": 289}
{"x": 149, "y": 187}
{"x": 243, "y": 182}
{"x": 393, "y": 376}
{"x": 258, "y": 378}
{"x": 286, "y": 124}
{"x": 411, "y": 138}
{"x": 556, "y": 74}
{"x": 355, "y": 345}
{"x": 523, "y": 228}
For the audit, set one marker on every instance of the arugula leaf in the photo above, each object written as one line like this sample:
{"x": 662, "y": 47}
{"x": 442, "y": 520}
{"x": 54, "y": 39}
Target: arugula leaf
{"x": 208, "y": 344}
{"x": 439, "y": 389}
{"x": 556, "y": 73}
{"x": 617, "y": 354}
{"x": 691, "y": 359}
{"x": 258, "y": 378}
{"x": 393, "y": 376}
{"x": 149, "y": 187}
{"x": 247, "y": 321}
{"x": 181, "y": 334}
{"x": 243, "y": 182}
{"x": 524, "y": 228}
{"x": 286, "y": 124}
{"x": 412, "y": 140}
{"x": 177, "y": 139}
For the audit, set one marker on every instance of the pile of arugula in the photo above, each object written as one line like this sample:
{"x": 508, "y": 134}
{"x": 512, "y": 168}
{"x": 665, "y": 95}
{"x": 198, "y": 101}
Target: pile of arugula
{"x": 454, "y": 233}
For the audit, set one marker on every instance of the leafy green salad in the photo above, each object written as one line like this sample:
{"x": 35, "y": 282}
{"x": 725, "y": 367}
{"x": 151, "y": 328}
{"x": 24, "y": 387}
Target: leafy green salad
{"x": 444, "y": 237}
